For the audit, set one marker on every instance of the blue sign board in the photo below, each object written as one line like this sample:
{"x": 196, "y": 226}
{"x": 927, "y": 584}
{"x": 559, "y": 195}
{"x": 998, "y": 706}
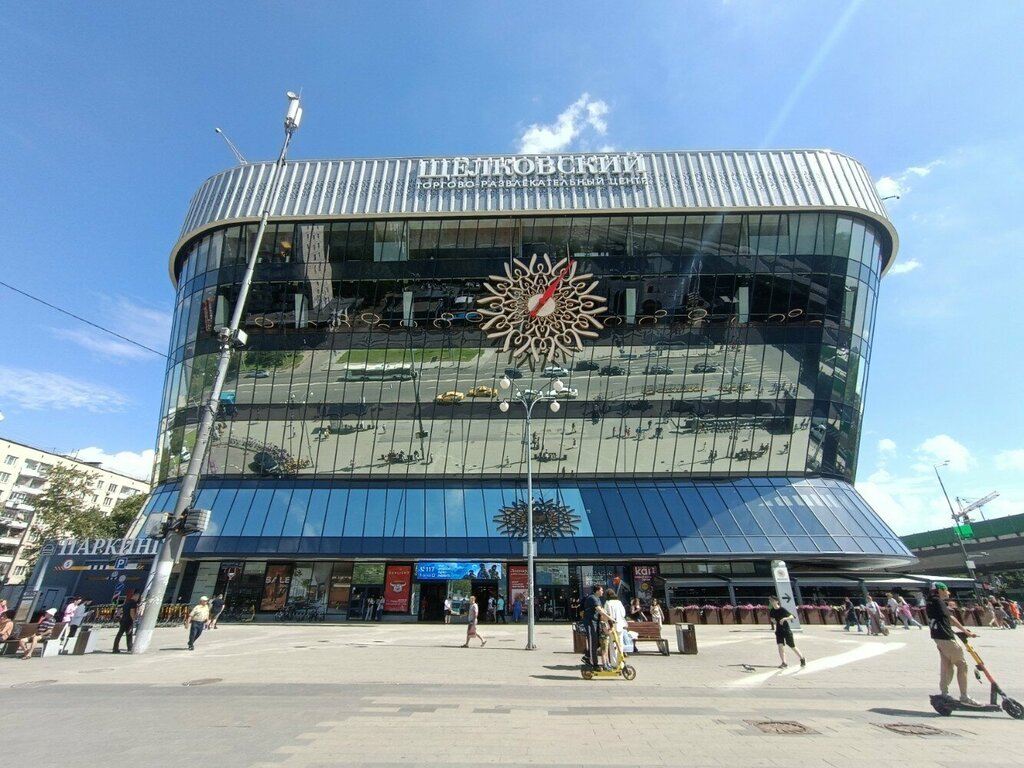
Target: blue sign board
{"x": 430, "y": 571}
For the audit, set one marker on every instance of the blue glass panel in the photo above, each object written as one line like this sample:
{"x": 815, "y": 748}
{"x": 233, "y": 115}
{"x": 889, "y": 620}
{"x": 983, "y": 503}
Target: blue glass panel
{"x": 278, "y": 512}
{"x": 807, "y": 518}
{"x": 563, "y": 546}
{"x": 413, "y": 545}
{"x": 741, "y": 513}
{"x": 295, "y": 516}
{"x": 319, "y": 511}
{"x": 268, "y": 544}
{"x": 476, "y": 512}
{"x": 415, "y": 514}
{"x": 781, "y": 543}
{"x": 617, "y": 513}
{"x": 288, "y": 544}
{"x": 373, "y": 525}
{"x": 573, "y": 499}
{"x": 677, "y": 511}
{"x": 763, "y": 514}
{"x": 848, "y": 544}
{"x": 650, "y": 545}
{"x": 629, "y": 545}
{"x": 698, "y": 511}
{"x": 308, "y": 545}
{"x": 331, "y": 545}
{"x": 394, "y": 512}
{"x": 454, "y": 512}
{"x": 355, "y": 512}
{"x": 636, "y": 510}
{"x": 660, "y": 517}
{"x": 825, "y": 544}
{"x": 804, "y": 544}
{"x": 493, "y": 501}
{"x": 238, "y": 512}
{"x": 607, "y": 546}
{"x": 841, "y": 512}
{"x": 867, "y": 517}
{"x": 247, "y": 544}
{"x": 737, "y": 544}
{"x": 719, "y": 508}
{"x": 257, "y": 511}
{"x": 434, "y": 503}
{"x": 759, "y": 544}
{"x": 599, "y": 522}
{"x": 372, "y": 545}
{"x": 715, "y": 545}
{"x": 457, "y": 547}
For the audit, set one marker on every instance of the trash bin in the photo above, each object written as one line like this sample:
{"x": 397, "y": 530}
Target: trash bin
{"x": 686, "y": 638}
{"x": 85, "y": 641}
{"x": 579, "y": 639}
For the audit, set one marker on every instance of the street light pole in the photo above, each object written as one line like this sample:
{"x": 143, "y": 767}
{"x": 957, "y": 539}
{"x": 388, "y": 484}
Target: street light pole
{"x": 528, "y": 399}
{"x": 229, "y": 338}
{"x": 956, "y": 528}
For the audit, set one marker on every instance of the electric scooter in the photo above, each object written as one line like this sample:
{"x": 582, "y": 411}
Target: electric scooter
{"x": 946, "y": 705}
{"x": 621, "y": 668}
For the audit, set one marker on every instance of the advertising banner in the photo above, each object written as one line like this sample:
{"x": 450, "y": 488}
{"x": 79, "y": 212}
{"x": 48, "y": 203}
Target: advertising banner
{"x": 397, "y": 587}
{"x": 518, "y": 582}
{"x": 643, "y": 581}
{"x": 454, "y": 571}
{"x": 277, "y": 580}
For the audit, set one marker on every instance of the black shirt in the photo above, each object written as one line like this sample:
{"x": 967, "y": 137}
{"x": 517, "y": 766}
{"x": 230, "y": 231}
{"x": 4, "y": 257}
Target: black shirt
{"x": 126, "y": 611}
{"x": 590, "y": 606}
{"x": 938, "y": 619}
{"x": 217, "y": 605}
{"x": 776, "y": 615}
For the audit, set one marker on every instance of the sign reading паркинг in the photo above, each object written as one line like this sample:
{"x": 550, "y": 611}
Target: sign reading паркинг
{"x": 107, "y": 546}
{"x": 624, "y": 169}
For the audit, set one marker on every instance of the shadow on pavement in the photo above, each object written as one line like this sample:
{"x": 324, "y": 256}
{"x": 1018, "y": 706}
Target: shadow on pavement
{"x": 911, "y": 713}
{"x": 556, "y": 677}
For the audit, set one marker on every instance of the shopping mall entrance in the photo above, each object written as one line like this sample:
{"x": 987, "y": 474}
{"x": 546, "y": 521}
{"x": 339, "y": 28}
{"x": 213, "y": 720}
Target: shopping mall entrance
{"x": 484, "y": 589}
{"x": 432, "y": 596}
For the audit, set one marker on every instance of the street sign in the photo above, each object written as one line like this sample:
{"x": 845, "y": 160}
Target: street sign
{"x": 964, "y": 531}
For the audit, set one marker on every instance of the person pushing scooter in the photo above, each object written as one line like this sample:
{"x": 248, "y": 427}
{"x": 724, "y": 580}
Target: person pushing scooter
{"x": 951, "y": 654}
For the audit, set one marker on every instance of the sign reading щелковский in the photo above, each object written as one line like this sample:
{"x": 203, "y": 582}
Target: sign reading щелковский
{"x": 623, "y": 169}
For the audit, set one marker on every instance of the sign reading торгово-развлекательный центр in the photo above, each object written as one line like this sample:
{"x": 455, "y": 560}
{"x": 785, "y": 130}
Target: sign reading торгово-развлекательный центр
{"x": 532, "y": 171}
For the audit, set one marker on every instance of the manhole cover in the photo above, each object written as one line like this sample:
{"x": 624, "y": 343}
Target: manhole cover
{"x": 202, "y": 681}
{"x": 33, "y": 684}
{"x": 913, "y": 729}
{"x": 781, "y": 726}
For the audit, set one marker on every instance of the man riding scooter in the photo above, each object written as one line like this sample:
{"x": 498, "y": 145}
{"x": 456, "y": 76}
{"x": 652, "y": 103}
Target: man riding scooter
{"x": 951, "y": 653}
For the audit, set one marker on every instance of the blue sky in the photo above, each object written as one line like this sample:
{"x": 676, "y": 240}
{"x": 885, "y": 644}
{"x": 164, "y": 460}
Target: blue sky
{"x": 107, "y": 130}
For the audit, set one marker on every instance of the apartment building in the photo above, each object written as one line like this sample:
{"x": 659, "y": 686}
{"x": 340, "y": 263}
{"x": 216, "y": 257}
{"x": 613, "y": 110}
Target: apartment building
{"x": 23, "y": 472}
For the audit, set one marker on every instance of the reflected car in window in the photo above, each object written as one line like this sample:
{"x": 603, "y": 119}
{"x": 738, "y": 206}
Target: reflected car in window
{"x": 450, "y": 398}
{"x": 483, "y": 391}
{"x": 586, "y": 365}
{"x": 555, "y": 372}
{"x": 513, "y": 373}
{"x": 257, "y": 375}
{"x": 704, "y": 368}
{"x": 566, "y": 393}
{"x": 612, "y": 370}
{"x": 658, "y": 370}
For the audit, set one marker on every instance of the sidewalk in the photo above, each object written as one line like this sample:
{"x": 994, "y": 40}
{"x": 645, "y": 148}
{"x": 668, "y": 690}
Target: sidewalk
{"x": 388, "y": 694}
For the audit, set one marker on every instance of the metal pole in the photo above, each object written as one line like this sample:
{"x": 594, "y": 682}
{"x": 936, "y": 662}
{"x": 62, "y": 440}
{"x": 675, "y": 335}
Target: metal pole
{"x": 530, "y": 608}
{"x": 956, "y": 531}
{"x": 229, "y": 337}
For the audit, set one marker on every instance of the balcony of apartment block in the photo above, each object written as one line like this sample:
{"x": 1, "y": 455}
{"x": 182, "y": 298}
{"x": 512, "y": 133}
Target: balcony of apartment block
{"x": 10, "y": 518}
{"x": 32, "y": 473}
{"x": 9, "y": 542}
{"x": 32, "y": 490}
{"x": 6, "y": 559}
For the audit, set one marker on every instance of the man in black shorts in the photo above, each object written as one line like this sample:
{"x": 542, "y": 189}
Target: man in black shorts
{"x": 780, "y": 617}
{"x": 951, "y": 653}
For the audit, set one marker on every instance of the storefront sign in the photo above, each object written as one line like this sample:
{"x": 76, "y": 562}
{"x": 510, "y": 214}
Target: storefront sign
{"x": 432, "y": 571}
{"x": 611, "y": 169}
{"x": 643, "y": 576}
{"x": 276, "y": 582}
{"x": 397, "y": 585}
{"x": 117, "y": 547}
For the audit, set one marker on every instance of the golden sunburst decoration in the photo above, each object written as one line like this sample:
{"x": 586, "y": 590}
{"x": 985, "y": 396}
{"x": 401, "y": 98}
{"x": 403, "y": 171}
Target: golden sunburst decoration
{"x": 542, "y": 309}
{"x": 550, "y": 519}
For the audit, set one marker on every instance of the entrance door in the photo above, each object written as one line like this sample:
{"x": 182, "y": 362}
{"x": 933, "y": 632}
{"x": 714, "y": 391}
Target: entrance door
{"x": 432, "y": 595}
{"x": 484, "y": 590}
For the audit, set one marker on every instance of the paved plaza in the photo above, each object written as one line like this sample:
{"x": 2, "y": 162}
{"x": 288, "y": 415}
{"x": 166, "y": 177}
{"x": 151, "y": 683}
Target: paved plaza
{"x": 285, "y": 696}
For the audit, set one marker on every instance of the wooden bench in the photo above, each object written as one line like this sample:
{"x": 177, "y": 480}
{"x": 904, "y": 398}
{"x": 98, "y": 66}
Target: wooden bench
{"x": 648, "y": 632}
{"x": 49, "y": 646}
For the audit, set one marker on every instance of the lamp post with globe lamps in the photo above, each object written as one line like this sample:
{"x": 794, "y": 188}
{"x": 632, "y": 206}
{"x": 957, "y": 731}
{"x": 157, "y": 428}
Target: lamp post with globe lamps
{"x": 528, "y": 398}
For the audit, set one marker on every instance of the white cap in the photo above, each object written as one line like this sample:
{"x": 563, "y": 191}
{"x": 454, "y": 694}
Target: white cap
{"x": 204, "y": 598}
{"x": 51, "y": 611}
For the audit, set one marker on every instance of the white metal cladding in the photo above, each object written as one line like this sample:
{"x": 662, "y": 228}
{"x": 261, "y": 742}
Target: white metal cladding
{"x": 670, "y": 181}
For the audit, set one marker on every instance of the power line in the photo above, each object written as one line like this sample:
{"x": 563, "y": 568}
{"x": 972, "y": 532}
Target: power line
{"x": 82, "y": 319}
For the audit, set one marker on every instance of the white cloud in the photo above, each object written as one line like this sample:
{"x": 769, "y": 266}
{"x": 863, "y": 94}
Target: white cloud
{"x": 940, "y": 448}
{"x": 900, "y": 184}
{"x": 1010, "y": 461}
{"x": 143, "y": 324}
{"x": 584, "y": 113}
{"x": 886, "y": 445}
{"x": 137, "y": 465}
{"x": 902, "y": 267}
{"x": 39, "y": 390}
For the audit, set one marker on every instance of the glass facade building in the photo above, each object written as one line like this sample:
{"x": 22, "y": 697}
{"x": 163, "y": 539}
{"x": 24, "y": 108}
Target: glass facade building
{"x": 715, "y": 420}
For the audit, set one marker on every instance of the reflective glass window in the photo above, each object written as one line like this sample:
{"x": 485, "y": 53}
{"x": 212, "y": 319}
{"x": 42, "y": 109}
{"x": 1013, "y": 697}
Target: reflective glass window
{"x": 719, "y": 508}
{"x": 258, "y": 510}
{"x": 434, "y": 502}
{"x": 239, "y": 510}
{"x": 295, "y": 513}
{"x": 699, "y": 512}
{"x": 316, "y": 513}
{"x": 355, "y": 513}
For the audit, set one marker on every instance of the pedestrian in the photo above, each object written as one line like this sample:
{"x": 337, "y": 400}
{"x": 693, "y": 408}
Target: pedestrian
{"x": 593, "y": 614}
{"x": 657, "y": 615}
{"x": 6, "y": 625}
{"x": 197, "y": 621}
{"x": 616, "y": 613}
{"x": 43, "y": 630}
{"x": 876, "y": 624}
{"x": 77, "y": 619}
{"x": 893, "y": 606}
{"x": 474, "y": 617}
{"x": 852, "y": 616}
{"x": 951, "y": 654}
{"x": 905, "y": 614}
{"x": 69, "y": 609}
{"x": 126, "y": 625}
{"x": 371, "y": 604}
{"x": 216, "y": 609}
{"x": 380, "y": 608}
{"x": 780, "y": 617}
{"x": 491, "y": 609}
{"x": 448, "y": 610}
{"x": 636, "y": 611}
{"x": 517, "y": 608}
{"x": 500, "y": 608}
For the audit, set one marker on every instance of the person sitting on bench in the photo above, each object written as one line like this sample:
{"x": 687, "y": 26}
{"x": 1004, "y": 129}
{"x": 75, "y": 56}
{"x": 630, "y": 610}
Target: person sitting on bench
{"x": 42, "y": 633}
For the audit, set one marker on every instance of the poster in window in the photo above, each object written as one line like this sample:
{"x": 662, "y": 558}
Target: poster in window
{"x": 643, "y": 581}
{"x": 397, "y": 585}
{"x": 518, "y": 582}
{"x": 277, "y": 580}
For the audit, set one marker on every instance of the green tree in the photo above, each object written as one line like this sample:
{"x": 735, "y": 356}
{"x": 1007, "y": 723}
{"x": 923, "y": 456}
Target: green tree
{"x": 117, "y": 524}
{"x": 61, "y": 510}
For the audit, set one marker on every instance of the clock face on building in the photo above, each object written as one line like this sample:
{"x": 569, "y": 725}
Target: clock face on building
{"x": 541, "y": 309}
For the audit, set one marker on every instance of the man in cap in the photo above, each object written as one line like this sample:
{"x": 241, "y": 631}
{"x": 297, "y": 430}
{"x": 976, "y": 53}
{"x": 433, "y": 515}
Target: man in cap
{"x": 45, "y": 626}
{"x": 951, "y": 653}
{"x": 197, "y": 621}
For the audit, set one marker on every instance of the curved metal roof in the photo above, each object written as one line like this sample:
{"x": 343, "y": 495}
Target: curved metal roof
{"x": 633, "y": 182}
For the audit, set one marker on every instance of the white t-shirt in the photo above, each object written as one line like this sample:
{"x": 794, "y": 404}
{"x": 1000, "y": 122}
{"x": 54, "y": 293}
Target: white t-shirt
{"x": 617, "y": 611}
{"x": 79, "y": 615}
